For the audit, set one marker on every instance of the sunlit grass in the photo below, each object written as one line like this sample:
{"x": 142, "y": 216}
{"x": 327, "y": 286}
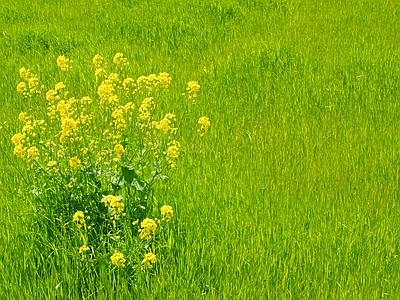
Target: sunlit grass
{"x": 294, "y": 190}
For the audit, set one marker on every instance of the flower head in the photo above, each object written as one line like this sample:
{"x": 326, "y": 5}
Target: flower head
{"x": 120, "y": 60}
{"x": 149, "y": 259}
{"x": 165, "y": 124}
{"x": 23, "y": 117}
{"x": 116, "y": 206}
{"x": 193, "y": 89}
{"x": 147, "y": 229}
{"x": 167, "y": 212}
{"x": 205, "y": 124}
{"x": 83, "y": 249}
{"x": 173, "y": 152}
{"x": 118, "y": 259}
{"x": 19, "y": 151}
{"x": 98, "y": 61}
{"x": 59, "y": 86}
{"x": 74, "y": 163}
{"x": 33, "y": 153}
{"x": 79, "y": 218}
{"x": 119, "y": 150}
{"x": 17, "y": 139}
{"x": 51, "y": 163}
{"x": 63, "y": 63}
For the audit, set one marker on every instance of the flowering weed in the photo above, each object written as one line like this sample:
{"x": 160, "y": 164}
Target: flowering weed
{"x": 95, "y": 161}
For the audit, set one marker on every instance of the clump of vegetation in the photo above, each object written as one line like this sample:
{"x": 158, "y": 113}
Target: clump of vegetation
{"x": 95, "y": 162}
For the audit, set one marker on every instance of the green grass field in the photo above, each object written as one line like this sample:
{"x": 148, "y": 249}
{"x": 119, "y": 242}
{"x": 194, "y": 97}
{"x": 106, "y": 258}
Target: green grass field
{"x": 294, "y": 191}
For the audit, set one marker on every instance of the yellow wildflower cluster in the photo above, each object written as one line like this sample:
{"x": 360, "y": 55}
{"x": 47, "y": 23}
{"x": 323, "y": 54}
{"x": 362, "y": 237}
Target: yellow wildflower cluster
{"x": 53, "y": 96}
{"x": 30, "y": 85}
{"x": 173, "y": 152}
{"x": 64, "y": 63}
{"x": 167, "y": 212}
{"x": 146, "y": 83}
{"x": 165, "y": 124}
{"x": 82, "y": 251}
{"x": 153, "y": 81}
{"x": 193, "y": 89}
{"x": 118, "y": 259}
{"x": 74, "y": 163}
{"x": 101, "y": 65}
{"x": 205, "y": 124}
{"x": 147, "y": 229}
{"x": 18, "y": 141}
{"x": 121, "y": 115}
{"x": 129, "y": 86}
{"x": 120, "y": 60}
{"x": 33, "y": 153}
{"x": 145, "y": 109}
{"x": 119, "y": 150}
{"x": 149, "y": 259}
{"x": 114, "y": 204}
{"x": 117, "y": 140}
{"x": 23, "y": 141}
{"x": 79, "y": 218}
{"x": 106, "y": 91}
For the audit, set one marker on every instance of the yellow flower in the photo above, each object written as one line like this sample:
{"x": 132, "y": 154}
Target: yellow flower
{"x": 173, "y": 152}
{"x": 51, "y": 163}
{"x": 120, "y": 60}
{"x": 173, "y": 149}
{"x": 52, "y": 96}
{"x": 68, "y": 127}
{"x": 33, "y": 153}
{"x": 205, "y": 124}
{"x": 22, "y": 89}
{"x": 165, "y": 124}
{"x": 19, "y": 151}
{"x": 86, "y": 100}
{"x": 60, "y": 153}
{"x": 117, "y": 207}
{"x": 25, "y": 73}
{"x": 108, "y": 199}
{"x": 146, "y": 108}
{"x": 167, "y": 212}
{"x": 59, "y": 86}
{"x": 33, "y": 84}
{"x": 100, "y": 72}
{"x": 98, "y": 61}
{"x": 193, "y": 89}
{"x": 79, "y": 218}
{"x": 118, "y": 259}
{"x": 118, "y": 116}
{"x": 63, "y": 63}
{"x": 149, "y": 259}
{"x": 147, "y": 229}
{"x": 105, "y": 91}
{"x": 119, "y": 150}
{"x": 165, "y": 79}
{"x": 74, "y": 162}
{"x": 127, "y": 84}
{"x": 17, "y": 139}
{"x": 83, "y": 249}
{"x": 113, "y": 78}
{"x": 23, "y": 117}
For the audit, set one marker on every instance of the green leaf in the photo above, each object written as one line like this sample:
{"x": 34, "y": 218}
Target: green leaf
{"x": 129, "y": 174}
{"x": 139, "y": 186}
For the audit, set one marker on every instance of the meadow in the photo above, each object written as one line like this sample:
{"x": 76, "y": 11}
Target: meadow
{"x": 293, "y": 193}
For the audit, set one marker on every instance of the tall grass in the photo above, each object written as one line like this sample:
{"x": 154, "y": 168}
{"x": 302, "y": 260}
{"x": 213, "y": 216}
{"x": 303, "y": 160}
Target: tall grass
{"x": 294, "y": 193}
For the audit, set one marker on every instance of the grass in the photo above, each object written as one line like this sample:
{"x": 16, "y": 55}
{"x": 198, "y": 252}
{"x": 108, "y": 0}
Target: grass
{"x": 295, "y": 192}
